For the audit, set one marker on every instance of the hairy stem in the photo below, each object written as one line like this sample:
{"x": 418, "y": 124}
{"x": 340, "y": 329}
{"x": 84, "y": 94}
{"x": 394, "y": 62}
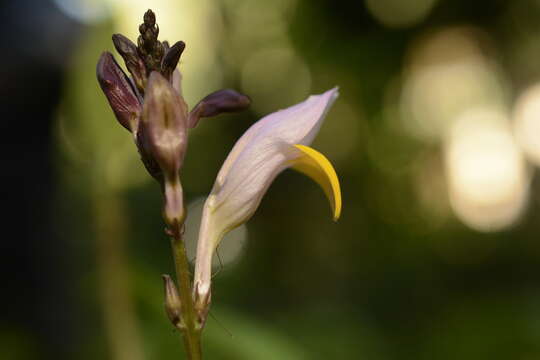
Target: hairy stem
{"x": 192, "y": 332}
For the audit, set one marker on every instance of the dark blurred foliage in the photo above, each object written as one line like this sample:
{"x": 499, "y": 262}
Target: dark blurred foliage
{"x": 390, "y": 280}
{"x": 36, "y": 41}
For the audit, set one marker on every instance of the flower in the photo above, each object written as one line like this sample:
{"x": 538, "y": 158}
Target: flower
{"x": 274, "y": 143}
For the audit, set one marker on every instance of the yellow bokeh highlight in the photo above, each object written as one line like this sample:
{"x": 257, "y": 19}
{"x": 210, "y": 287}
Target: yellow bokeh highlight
{"x": 527, "y": 123}
{"x": 488, "y": 181}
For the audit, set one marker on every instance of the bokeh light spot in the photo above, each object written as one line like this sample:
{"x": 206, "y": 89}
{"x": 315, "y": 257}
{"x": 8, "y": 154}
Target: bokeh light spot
{"x": 447, "y": 74}
{"x": 527, "y": 123}
{"x": 488, "y": 182}
{"x": 399, "y": 13}
{"x": 84, "y": 11}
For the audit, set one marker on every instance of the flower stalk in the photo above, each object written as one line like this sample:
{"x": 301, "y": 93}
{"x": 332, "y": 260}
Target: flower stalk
{"x": 150, "y": 105}
{"x": 188, "y": 325}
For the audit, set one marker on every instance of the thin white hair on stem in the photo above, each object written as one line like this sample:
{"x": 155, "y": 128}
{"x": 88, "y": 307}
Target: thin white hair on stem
{"x": 221, "y": 325}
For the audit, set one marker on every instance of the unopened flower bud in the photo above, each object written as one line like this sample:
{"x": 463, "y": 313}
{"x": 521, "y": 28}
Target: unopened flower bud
{"x": 162, "y": 141}
{"x": 149, "y": 18}
{"x": 135, "y": 65}
{"x": 119, "y": 91}
{"x": 149, "y": 47}
{"x": 171, "y": 58}
{"x": 173, "y": 306}
{"x": 221, "y": 101}
{"x": 164, "y": 125}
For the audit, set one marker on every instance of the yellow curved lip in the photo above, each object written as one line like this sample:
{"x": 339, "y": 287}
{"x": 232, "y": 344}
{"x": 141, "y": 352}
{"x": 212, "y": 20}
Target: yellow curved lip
{"x": 318, "y": 167}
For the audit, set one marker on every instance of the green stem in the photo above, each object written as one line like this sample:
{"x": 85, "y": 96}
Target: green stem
{"x": 191, "y": 333}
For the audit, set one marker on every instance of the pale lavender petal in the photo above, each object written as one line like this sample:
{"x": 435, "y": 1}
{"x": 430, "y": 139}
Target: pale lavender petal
{"x": 259, "y": 155}
{"x": 264, "y": 150}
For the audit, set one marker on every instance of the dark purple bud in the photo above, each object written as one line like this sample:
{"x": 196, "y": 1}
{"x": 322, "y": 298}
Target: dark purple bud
{"x": 149, "y": 18}
{"x": 128, "y": 50}
{"x": 162, "y": 142}
{"x": 221, "y": 101}
{"x": 163, "y": 127}
{"x": 119, "y": 91}
{"x": 124, "y": 46}
{"x": 149, "y": 47}
{"x": 171, "y": 58}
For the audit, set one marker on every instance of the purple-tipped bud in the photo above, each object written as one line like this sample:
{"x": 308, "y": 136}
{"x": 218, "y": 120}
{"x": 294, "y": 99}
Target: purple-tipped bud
{"x": 149, "y": 47}
{"x": 128, "y": 50}
{"x": 119, "y": 91}
{"x": 221, "y": 101}
{"x": 173, "y": 305}
{"x": 164, "y": 125}
{"x": 162, "y": 141}
{"x": 171, "y": 58}
{"x": 124, "y": 46}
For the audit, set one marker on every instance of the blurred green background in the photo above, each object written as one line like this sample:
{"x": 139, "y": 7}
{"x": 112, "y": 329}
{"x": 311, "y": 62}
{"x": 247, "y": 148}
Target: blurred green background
{"x": 435, "y": 138}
